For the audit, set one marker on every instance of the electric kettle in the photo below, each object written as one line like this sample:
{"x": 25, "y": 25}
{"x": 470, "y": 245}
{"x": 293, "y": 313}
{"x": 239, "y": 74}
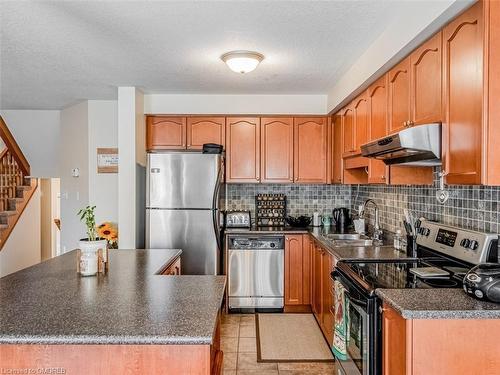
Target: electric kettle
{"x": 341, "y": 218}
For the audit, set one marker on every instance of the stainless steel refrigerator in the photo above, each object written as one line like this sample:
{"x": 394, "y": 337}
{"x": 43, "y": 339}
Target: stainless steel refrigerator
{"x": 182, "y": 208}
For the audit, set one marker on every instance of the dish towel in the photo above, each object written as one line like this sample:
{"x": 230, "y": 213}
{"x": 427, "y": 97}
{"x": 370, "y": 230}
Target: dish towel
{"x": 340, "y": 325}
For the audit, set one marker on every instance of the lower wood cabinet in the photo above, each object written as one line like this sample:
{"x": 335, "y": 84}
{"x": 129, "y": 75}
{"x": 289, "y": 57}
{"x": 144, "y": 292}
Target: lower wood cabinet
{"x": 297, "y": 271}
{"x": 439, "y": 346}
{"x": 322, "y": 297}
{"x": 173, "y": 269}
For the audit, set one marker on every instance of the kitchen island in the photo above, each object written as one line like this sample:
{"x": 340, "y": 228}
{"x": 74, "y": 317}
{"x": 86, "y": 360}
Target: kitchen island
{"x": 131, "y": 320}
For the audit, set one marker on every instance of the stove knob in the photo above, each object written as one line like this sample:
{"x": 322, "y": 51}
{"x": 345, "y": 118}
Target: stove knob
{"x": 272, "y": 244}
{"x": 427, "y": 231}
{"x": 473, "y": 245}
{"x": 465, "y": 242}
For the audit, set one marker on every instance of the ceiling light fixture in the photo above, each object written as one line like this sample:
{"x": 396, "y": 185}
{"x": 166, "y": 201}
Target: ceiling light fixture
{"x": 242, "y": 61}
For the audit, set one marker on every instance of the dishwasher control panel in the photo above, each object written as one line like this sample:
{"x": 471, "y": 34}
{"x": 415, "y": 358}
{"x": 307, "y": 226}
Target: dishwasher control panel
{"x": 257, "y": 243}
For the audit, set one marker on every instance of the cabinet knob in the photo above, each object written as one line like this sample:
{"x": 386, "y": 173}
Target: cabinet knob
{"x": 383, "y": 177}
{"x": 405, "y": 124}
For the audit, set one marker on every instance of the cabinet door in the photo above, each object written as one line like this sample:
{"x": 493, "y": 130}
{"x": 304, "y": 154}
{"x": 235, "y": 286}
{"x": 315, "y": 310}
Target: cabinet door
{"x": 201, "y": 130}
{"x": 360, "y": 122}
{"x": 293, "y": 270}
{"x": 317, "y": 281}
{"x": 327, "y": 297}
{"x": 310, "y": 151}
{"x": 426, "y": 82}
{"x": 337, "y": 148}
{"x": 306, "y": 269}
{"x": 463, "y": 96}
{"x": 393, "y": 342}
{"x": 347, "y": 131}
{"x": 276, "y": 144}
{"x": 165, "y": 133}
{"x": 242, "y": 149}
{"x": 377, "y": 119}
{"x": 399, "y": 96}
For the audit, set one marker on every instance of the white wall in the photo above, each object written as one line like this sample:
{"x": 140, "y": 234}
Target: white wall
{"x": 38, "y": 134}
{"x": 74, "y": 190}
{"x": 102, "y": 133}
{"x": 235, "y": 104}
{"x": 23, "y": 247}
{"x": 417, "y": 22}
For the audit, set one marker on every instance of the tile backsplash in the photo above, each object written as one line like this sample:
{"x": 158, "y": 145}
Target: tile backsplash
{"x": 301, "y": 199}
{"x": 473, "y": 207}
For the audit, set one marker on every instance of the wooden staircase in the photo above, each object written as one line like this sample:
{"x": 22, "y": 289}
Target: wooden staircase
{"x": 16, "y": 187}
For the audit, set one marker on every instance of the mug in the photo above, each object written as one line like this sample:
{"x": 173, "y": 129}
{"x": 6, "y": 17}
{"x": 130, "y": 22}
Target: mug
{"x": 326, "y": 220}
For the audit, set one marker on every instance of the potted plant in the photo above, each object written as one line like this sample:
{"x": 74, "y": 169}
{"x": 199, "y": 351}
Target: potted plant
{"x": 90, "y": 246}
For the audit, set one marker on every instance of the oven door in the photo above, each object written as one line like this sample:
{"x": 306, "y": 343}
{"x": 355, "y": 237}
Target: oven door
{"x": 361, "y": 338}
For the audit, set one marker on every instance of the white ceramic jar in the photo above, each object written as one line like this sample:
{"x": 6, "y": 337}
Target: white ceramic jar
{"x": 89, "y": 258}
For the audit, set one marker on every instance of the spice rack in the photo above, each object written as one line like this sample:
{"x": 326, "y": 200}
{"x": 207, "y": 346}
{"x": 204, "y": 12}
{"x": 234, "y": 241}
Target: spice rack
{"x": 270, "y": 210}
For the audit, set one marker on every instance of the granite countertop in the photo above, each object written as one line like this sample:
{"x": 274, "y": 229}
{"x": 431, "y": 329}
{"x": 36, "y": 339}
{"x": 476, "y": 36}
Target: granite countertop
{"x": 50, "y": 303}
{"x": 444, "y": 303}
{"x": 382, "y": 252}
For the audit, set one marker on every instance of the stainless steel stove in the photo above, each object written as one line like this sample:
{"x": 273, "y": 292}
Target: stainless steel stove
{"x": 444, "y": 255}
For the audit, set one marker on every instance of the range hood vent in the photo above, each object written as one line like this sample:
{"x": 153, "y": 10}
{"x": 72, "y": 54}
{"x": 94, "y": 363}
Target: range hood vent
{"x": 419, "y": 145}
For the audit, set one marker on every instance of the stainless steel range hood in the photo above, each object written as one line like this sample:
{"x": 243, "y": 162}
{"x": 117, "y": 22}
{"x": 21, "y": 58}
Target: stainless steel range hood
{"x": 419, "y": 145}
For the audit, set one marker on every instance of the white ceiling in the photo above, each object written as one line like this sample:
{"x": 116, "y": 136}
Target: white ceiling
{"x": 56, "y": 53}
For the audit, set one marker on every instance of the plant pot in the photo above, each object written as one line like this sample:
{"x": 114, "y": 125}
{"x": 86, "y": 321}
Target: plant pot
{"x": 89, "y": 258}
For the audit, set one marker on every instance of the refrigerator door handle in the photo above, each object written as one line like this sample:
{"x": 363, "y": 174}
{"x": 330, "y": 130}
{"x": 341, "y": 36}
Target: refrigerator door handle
{"x": 215, "y": 211}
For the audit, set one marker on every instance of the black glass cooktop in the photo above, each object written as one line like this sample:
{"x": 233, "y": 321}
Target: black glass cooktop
{"x": 397, "y": 275}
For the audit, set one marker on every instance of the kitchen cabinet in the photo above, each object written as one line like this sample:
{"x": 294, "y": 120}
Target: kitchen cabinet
{"x": 399, "y": 96}
{"x": 174, "y": 132}
{"x": 310, "y": 149}
{"x": 337, "y": 148}
{"x": 276, "y": 140}
{"x": 415, "y": 86}
{"x": 360, "y": 107}
{"x": 174, "y": 269}
{"x": 201, "y": 130}
{"x": 437, "y": 346}
{"x": 297, "y": 270}
{"x": 165, "y": 133}
{"x": 471, "y": 61}
{"x": 463, "y": 96}
{"x": 348, "y": 131}
{"x": 378, "y": 93}
{"x": 322, "y": 297}
{"x": 243, "y": 149}
{"x": 426, "y": 82}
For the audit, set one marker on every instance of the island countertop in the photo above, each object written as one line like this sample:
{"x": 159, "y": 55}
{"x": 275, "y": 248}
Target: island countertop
{"x": 50, "y": 303}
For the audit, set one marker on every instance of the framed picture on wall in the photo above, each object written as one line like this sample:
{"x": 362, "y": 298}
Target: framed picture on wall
{"x": 107, "y": 160}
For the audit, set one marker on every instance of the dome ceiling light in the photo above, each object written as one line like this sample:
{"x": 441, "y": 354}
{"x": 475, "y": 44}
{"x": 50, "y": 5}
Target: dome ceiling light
{"x": 242, "y": 61}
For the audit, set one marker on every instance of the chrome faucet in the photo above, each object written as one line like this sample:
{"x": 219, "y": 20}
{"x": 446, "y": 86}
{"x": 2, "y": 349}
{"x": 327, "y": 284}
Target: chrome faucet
{"x": 377, "y": 231}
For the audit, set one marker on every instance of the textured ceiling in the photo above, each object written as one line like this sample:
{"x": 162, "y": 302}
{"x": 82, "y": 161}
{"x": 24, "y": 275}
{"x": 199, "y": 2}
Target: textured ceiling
{"x": 56, "y": 53}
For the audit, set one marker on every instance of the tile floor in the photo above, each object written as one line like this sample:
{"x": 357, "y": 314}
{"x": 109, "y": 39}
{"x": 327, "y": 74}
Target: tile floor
{"x": 240, "y": 352}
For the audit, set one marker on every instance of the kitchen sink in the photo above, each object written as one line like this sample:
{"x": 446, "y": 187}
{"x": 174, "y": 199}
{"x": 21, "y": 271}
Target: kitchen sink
{"x": 348, "y": 239}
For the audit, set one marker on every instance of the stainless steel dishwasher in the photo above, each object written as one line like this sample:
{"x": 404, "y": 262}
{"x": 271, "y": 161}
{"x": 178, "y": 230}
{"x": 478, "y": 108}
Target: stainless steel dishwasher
{"x": 256, "y": 272}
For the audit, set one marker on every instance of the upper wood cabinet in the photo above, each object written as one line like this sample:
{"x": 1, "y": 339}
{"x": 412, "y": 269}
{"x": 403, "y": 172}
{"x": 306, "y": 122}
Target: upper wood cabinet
{"x": 276, "y": 144}
{"x": 415, "y": 86}
{"x": 378, "y": 94}
{"x": 310, "y": 150}
{"x": 348, "y": 145}
{"x": 463, "y": 96}
{"x": 399, "y": 96}
{"x": 337, "y": 148}
{"x": 201, "y": 130}
{"x": 360, "y": 107}
{"x": 243, "y": 149}
{"x": 165, "y": 132}
{"x": 426, "y": 82}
